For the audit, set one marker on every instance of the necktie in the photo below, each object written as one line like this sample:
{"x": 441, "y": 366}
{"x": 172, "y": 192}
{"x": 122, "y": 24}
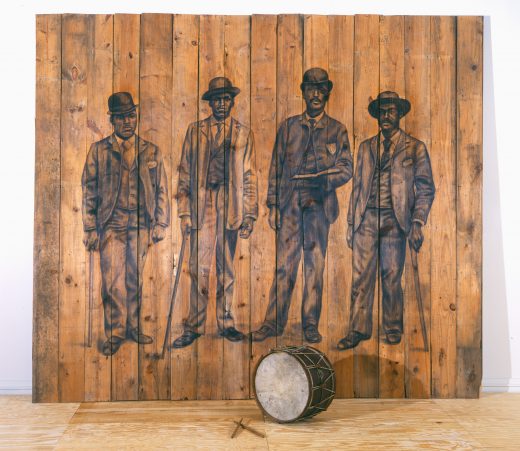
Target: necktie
{"x": 128, "y": 153}
{"x": 219, "y": 137}
{"x": 386, "y": 153}
{"x": 312, "y": 122}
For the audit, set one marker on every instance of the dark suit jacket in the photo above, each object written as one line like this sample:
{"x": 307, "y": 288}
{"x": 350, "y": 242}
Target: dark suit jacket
{"x": 332, "y": 151}
{"x": 193, "y": 174}
{"x": 101, "y": 182}
{"x": 411, "y": 179}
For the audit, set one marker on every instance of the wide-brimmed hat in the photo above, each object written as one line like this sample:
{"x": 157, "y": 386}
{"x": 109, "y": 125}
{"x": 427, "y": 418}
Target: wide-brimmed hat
{"x": 316, "y": 76}
{"x": 220, "y": 85}
{"x": 121, "y": 103}
{"x": 385, "y": 98}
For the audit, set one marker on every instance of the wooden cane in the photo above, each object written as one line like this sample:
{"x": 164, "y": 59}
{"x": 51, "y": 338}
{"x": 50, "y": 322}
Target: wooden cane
{"x": 90, "y": 296}
{"x": 418, "y": 295}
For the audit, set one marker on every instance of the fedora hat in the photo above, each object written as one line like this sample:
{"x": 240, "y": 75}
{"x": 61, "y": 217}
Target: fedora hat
{"x": 220, "y": 85}
{"x": 316, "y": 76}
{"x": 385, "y": 98}
{"x": 121, "y": 103}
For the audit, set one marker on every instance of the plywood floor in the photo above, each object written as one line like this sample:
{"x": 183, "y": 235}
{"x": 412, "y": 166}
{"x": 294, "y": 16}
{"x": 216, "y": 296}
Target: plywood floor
{"x": 492, "y": 422}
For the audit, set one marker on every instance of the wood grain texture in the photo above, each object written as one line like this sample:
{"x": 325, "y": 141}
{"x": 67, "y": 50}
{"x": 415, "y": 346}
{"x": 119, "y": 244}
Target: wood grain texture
{"x": 125, "y": 363}
{"x": 469, "y": 206}
{"x": 47, "y": 209}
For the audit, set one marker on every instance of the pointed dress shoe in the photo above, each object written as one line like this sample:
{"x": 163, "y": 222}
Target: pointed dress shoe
{"x": 232, "y": 334}
{"x": 352, "y": 339}
{"x": 111, "y": 346}
{"x": 142, "y": 339}
{"x": 311, "y": 334}
{"x": 263, "y": 333}
{"x": 186, "y": 339}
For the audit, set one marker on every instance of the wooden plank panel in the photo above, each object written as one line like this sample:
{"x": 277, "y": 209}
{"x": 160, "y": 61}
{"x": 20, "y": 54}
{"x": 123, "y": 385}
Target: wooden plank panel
{"x": 237, "y": 67}
{"x": 46, "y": 209}
{"x": 316, "y": 54}
{"x": 185, "y": 98}
{"x": 366, "y": 87}
{"x": 469, "y": 206}
{"x": 155, "y": 86}
{"x": 391, "y": 78}
{"x": 99, "y": 88}
{"x": 443, "y": 216}
{"x": 339, "y": 256}
{"x": 73, "y": 257}
{"x": 125, "y": 363}
{"x": 289, "y": 102}
{"x": 263, "y": 124}
{"x": 417, "y": 80}
{"x": 210, "y": 357}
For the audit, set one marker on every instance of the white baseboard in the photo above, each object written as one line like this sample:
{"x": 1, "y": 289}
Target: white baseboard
{"x": 493, "y": 385}
{"x": 15, "y": 387}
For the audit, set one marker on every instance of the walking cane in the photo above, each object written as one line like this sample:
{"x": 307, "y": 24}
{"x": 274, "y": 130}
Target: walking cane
{"x": 418, "y": 294}
{"x": 90, "y": 296}
{"x": 174, "y": 294}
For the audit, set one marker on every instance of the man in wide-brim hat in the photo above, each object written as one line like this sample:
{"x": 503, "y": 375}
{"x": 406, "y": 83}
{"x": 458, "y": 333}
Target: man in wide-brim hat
{"x": 311, "y": 159}
{"x": 125, "y": 203}
{"x": 217, "y": 202}
{"x": 392, "y": 194}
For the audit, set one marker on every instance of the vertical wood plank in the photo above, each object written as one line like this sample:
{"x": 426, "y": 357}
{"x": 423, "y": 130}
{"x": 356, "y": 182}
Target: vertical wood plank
{"x": 263, "y": 124}
{"x": 125, "y": 363}
{"x": 47, "y": 209}
{"x": 366, "y": 87}
{"x": 73, "y": 257}
{"x": 289, "y": 102}
{"x": 417, "y": 81}
{"x": 237, "y": 67}
{"x": 210, "y": 347}
{"x": 185, "y": 98}
{"x": 155, "y": 86}
{"x": 99, "y": 88}
{"x": 443, "y": 216}
{"x": 339, "y": 272}
{"x": 469, "y": 206}
{"x": 316, "y": 54}
{"x": 391, "y": 75}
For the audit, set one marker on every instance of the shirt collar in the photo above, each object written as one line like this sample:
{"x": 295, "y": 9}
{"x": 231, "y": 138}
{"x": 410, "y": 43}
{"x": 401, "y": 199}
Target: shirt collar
{"x": 307, "y": 118}
{"x": 213, "y": 121}
{"x": 394, "y": 138}
{"x": 130, "y": 140}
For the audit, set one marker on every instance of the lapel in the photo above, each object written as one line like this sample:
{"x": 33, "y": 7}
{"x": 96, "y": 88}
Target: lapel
{"x": 401, "y": 144}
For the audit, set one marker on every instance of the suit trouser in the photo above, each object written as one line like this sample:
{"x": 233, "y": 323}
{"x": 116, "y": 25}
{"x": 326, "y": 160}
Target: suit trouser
{"x": 304, "y": 226}
{"x": 211, "y": 238}
{"x": 378, "y": 238}
{"x": 122, "y": 255}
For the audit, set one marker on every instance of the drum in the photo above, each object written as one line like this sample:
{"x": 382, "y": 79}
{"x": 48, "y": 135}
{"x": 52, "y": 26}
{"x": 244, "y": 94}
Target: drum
{"x": 294, "y": 383}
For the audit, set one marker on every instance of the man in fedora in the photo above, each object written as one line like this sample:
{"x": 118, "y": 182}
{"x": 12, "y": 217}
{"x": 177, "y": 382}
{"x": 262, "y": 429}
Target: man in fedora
{"x": 217, "y": 202}
{"x": 125, "y": 205}
{"x": 311, "y": 158}
{"x": 392, "y": 195}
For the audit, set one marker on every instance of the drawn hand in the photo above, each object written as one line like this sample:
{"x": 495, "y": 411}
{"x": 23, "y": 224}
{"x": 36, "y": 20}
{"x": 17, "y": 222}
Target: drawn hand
{"x": 185, "y": 225}
{"x": 274, "y": 218}
{"x": 91, "y": 240}
{"x": 158, "y": 233}
{"x": 246, "y": 228}
{"x": 416, "y": 236}
{"x": 349, "y": 237}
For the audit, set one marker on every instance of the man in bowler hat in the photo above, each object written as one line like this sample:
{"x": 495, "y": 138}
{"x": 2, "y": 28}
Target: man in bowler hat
{"x": 217, "y": 202}
{"x": 392, "y": 194}
{"x": 311, "y": 158}
{"x": 125, "y": 206}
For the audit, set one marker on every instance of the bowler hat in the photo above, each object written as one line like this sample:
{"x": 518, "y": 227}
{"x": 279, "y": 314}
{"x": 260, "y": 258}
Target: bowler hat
{"x": 121, "y": 103}
{"x": 220, "y": 85}
{"x": 316, "y": 76}
{"x": 385, "y": 98}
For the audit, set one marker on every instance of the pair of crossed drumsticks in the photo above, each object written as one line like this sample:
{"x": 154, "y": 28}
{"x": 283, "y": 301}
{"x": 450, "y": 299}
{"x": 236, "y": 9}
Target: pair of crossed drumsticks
{"x": 241, "y": 426}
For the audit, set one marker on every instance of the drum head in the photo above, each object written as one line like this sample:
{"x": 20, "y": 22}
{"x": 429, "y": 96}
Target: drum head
{"x": 282, "y": 386}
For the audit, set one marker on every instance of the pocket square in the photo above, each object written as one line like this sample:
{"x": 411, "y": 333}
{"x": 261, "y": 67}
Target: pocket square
{"x": 152, "y": 164}
{"x": 331, "y": 147}
{"x": 407, "y": 162}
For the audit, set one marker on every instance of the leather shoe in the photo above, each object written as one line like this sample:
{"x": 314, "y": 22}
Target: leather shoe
{"x": 312, "y": 335}
{"x": 139, "y": 338}
{"x": 263, "y": 333}
{"x": 231, "y": 334}
{"x": 111, "y": 346}
{"x": 186, "y": 339}
{"x": 352, "y": 339}
{"x": 393, "y": 337}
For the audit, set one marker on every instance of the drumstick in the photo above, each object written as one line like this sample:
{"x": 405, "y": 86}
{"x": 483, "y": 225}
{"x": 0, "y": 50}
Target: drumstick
{"x": 249, "y": 428}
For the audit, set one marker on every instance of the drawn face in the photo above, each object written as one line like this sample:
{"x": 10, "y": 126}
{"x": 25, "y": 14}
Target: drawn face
{"x": 316, "y": 97}
{"x": 389, "y": 117}
{"x": 124, "y": 124}
{"x": 221, "y": 105}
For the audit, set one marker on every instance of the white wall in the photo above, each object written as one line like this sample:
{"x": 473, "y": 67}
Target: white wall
{"x": 501, "y": 316}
